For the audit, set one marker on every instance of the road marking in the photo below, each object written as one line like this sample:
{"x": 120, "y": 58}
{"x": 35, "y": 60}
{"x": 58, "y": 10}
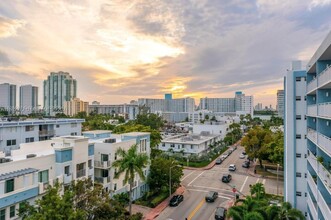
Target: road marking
{"x": 198, "y": 190}
{"x": 195, "y": 178}
{"x": 257, "y": 180}
{"x": 242, "y": 187}
{"x": 226, "y": 190}
{"x": 196, "y": 209}
{"x": 263, "y": 182}
{"x": 187, "y": 176}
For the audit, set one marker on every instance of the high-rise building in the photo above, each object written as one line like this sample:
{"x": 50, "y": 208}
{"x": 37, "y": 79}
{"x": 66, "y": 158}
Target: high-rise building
{"x": 280, "y": 103}
{"x": 28, "y": 99}
{"x": 58, "y": 88}
{"x": 128, "y": 111}
{"x": 74, "y": 106}
{"x": 166, "y": 105}
{"x": 258, "y": 107}
{"x": 8, "y": 97}
{"x": 295, "y": 167}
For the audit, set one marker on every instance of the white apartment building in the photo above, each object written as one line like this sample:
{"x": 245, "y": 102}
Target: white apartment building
{"x": 8, "y": 97}
{"x": 74, "y": 106}
{"x": 189, "y": 144}
{"x": 28, "y": 99}
{"x": 280, "y": 103}
{"x": 219, "y": 128}
{"x": 168, "y": 105}
{"x": 128, "y": 111}
{"x": 105, "y": 147}
{"x": 217, "y": 104}
{"x": 26, "y": 174}
{"x": 13, "y": 133}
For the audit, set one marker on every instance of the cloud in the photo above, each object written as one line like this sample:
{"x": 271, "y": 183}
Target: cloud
{"x": 319, "y": 3}
{"x": 4, "y": 59}
{"x": 9, "y": 27}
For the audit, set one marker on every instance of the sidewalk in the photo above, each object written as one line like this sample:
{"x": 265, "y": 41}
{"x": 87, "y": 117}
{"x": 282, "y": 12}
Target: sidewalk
{"x": 158, "y": 209}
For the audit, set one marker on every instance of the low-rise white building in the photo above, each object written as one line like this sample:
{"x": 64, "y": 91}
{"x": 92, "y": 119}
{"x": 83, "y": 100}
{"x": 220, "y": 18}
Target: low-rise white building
{"x": 215, "y": 128}
{"x": 105, "y": 146}
{"x": 26, "y": 174}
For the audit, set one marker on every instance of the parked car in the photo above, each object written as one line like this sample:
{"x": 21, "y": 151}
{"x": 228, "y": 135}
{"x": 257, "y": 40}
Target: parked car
{"x": 218, "y": 161}
{"x": 226, "y": 178}
{"x": 245, "y": 164}
{"x": 223, "y": 157}
{"x": 232, "y": 167}
{"x": 211, "y": 196}
{"x": 242, "y": 156}
{"x": 220, "y": 213}
{"x": 175, "y": 200}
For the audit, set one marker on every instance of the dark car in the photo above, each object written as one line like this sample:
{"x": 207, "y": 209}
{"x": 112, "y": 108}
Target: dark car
{"x": 226, "y": 178}
{"x": 218, "y": 161}
{"x": 175, "y": 200}
{"x": 211, "y": 196}
{"x": 245, "y": 164}
{"x": 220, "y": 213}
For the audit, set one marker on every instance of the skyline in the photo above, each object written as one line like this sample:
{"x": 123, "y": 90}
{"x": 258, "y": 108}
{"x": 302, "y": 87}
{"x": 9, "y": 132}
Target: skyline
{"x": 124, "y": 50}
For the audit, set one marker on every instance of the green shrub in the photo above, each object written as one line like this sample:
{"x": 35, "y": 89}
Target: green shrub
{"x": 157, "y": 200}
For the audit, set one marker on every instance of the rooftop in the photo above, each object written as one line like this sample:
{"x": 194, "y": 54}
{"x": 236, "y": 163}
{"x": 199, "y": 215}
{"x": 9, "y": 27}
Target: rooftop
{"x": 190, "y": 139}
{"x": 5, "y": 122}
{"x": 97, "y": 132}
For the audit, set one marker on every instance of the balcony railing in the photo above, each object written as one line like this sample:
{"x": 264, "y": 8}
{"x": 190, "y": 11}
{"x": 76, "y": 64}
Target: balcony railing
{"x": 313, "y": 161}
{"x": 324, "y": 142}
{"x": 102, "y": 180}
{"x": 324, "y": 207}
{"x": 80, "y": 173}
{"x": 312, "y": 135}
{"x": 102, "y": 164}
{"x": 325, "y": 176}
{"x": 312, "y": 110}
{"x": 312, "y": 184}
{"x": 46, "y": 132}
{"x": 312, "y": 85}
{"x": 324, "y": 109}
{"x": 324, "y": 77}
{"x": 67, "y": 178}
{"x": 312, "y": 208}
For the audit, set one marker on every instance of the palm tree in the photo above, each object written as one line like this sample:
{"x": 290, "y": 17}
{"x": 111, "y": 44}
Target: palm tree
{"x": 257, "y": 190}
{"x": 284, "y": 212}
{"x": 250, "y": 209}
{"x": 130, "y": 163}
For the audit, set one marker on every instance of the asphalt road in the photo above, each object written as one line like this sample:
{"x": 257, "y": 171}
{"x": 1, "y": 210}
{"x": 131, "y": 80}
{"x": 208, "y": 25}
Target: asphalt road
{"x": 198, "y": 183}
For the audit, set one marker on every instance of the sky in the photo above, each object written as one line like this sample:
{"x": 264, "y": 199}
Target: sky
{"x": 122, "y": 50}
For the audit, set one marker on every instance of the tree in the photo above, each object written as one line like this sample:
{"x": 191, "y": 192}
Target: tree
{"x": 206, "y": 117}
{"x": 276, "y": 148}
{"x": 130, "y": 163}
{"x": 250, "y": 209}
{"x": 213, "y": 118}
{"x": 258, "y": 190}
{"x": 154, "y": 121}
{"x": 284, "y": 212}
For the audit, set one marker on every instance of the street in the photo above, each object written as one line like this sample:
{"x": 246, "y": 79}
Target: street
{"x": 199, "y": 182}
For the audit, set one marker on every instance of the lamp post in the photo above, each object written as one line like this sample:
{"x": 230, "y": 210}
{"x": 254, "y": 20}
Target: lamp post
{"x": 277, "y": 177}
{"x": 170, "y": 176}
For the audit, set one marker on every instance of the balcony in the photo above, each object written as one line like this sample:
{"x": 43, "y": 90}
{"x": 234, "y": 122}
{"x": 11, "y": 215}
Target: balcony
{"x": 313, "y": 161}
{"x": 324, "y": 142}
{"x": 43, "y": 133}
{"x": 325, "y": 176}
{"x": 102, "y": 180}
{"x": 312, "y": 207}
{"x": 312, "y": 110}
{"x": 19, "y": 195}
{"x": 324, "y": 109}
{"x": 312, "y": 135}
{"x": 312, "y": 185}
{"x": 80, "y": 173}
{"x": 324, "y": 77}
{"x": 102, "y": 164}
{"x": 312, "y": 85}
{"x": 44, "y": 186}
{"x": 90, "y": 171}
{"x": 67, "y": 178}
{"x": 324, "y": 207}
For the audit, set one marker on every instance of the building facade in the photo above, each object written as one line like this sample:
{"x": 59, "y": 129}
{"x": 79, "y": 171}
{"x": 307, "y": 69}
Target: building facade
{"x": 58, "y": 88}
{"x": 295, "y": 152}
{"x": 168, "y": 105}
{"x": 217, "y": 104}
{"x": 8, "y": 97}
{"x": 74, "y": 106}
{"x": 128, "y": 111}
{"x": 28, "y": 99}
{"x": 280, "y": 103}
{"x": 13, "y": 133}
{"x": 26, "y": 175}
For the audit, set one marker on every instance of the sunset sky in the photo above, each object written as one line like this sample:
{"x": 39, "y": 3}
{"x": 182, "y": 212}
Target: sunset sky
{"x": 119, "y": 50}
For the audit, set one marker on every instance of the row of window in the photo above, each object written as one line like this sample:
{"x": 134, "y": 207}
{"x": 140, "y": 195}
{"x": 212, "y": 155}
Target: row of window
{"x": 298, "y": 136}
{"x": 298, "y": 117}
{"x": 298, "y": 79}
{"x": 12, "y": 212}
{"x": 13, "y": 142}
{"x": 298, "y": 155}
{"x": 298, "y": 98}
{"x": 298, "y": 174}
{"x": 300, "y": 194}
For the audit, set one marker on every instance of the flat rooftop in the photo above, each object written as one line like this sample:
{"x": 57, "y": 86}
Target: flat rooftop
{"x": 189, "y": 139}
{"x": 5, "y": 122}
{"x": 97, "y": 132}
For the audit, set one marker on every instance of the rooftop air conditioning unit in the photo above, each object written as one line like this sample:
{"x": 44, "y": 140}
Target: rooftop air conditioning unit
{"x": 110, "y": 140}
{"x": 31, "y": 155}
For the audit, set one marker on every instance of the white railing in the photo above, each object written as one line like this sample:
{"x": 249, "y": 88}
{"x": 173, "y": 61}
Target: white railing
{"x": 312, "y": 110}
{"x": 312, "y": 85}
{"x": 102, "y": 164}
{"x": 312, "y": 208}
{"x": 67, "y": 178}
{"x": 102, "y": 180}
{"x": 312, "y": 135}
{"x": 80, "y": 173}
{"x": 324, "y": 207}
{"x": 324, "y": 142}
{"x": 312, "y": 185}
{"x": 324, "y": 77}
{"x": 313, "y": 161}
{"x": 90, "y": 171}
{"x": 325, "y": 176}
{"x": 324, "y": 109}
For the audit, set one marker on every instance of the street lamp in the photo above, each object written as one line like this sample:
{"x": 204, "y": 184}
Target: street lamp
{"x": 170, "y": 176}
{"x": 277, "y": 177}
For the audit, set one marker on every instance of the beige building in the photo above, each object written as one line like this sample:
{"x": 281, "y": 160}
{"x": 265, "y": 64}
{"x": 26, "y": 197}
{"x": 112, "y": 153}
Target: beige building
{"x": 74, "y": 106}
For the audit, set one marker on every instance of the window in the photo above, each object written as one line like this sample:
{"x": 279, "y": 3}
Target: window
{"x": 305, "y": 194}
{"x": 305, "y": 117}
{"x": 305, "y": 98}
{"x": 11, "y": 142}
{"x": 104, "y": 157}
{"x": 298, "y": 98}
{"x": 90, "y": 164}
{"x": 163, "y": 144}
{"x": 298, "y": 155}
{"x": 305, "y": 78}
{"x": 67, "y": 170}
{"x": 172, "y": 145}
{"x": 298, "y": 136}
{"x": 57, "y": 126}
{"x": 3, "y": 214}
{"x": 115, "y": 156}
{"x": 12, "y": 211}
{"x": 298, "y": 79}
{"x": 73, "y": 133}
{"x": 191, "y": 146}
{"x": 29, "y": 140}
{"x": 115, "y": 186}
{"x": 43, "y": 176}
{"x": 104, "y": 173}
{"x": 305, "y": 155}
{"x": 298, "y": 174}
{"x": 9, "y": 186}
{"x": 29, "y": 128}
{"x": 298, "y": 193}
{"x": 298, "y": 117}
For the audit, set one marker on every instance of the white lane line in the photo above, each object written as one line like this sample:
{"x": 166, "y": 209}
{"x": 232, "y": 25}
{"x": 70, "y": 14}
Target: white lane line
{"x": 257, "y": 180}
{"x": 263, "y": 182}
{"x": 242, "y": 187}
{"x": 198, "y": 190}
{"x": 195, "y": 178}
{"x": 187, "y": 175}
{"x": 206, "y": 187}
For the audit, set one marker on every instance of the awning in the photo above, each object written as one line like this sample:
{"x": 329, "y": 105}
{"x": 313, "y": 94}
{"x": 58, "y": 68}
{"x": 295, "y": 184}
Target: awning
{"x": 17, "y": 173}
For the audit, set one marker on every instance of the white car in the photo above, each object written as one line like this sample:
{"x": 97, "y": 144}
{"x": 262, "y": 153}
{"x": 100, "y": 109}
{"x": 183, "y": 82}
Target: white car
{"x": 232, "y": 167}
{"x": 242, "y": 156}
